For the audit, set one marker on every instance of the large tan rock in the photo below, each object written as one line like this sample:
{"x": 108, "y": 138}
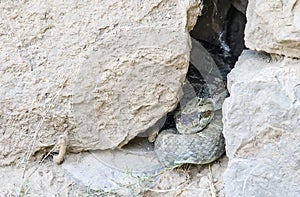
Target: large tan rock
{"x": 98, "y": 72}
{"x": 274, "y": 27}
{"x": 261, "y": 127}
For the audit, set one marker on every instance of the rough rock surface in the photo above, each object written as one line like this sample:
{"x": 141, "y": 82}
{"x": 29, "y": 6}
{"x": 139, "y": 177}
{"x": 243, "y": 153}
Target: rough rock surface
{"x": 274, "y": 27}
{"x": 261, "y": 127}
{"x": 100, "y": 72}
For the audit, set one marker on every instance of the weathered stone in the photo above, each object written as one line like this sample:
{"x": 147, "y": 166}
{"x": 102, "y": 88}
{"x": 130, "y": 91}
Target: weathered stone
{"x": 274, "y": 27}
{"x": 261, "y": 127}
{"x": 99, "y": 72}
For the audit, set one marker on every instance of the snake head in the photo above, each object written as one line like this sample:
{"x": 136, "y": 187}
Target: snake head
{"x": 194, "y": 116}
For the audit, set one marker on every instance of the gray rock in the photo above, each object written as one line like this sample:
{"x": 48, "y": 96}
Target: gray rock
{"x": 261, "y": 127}
{"x": 274, "y": 26}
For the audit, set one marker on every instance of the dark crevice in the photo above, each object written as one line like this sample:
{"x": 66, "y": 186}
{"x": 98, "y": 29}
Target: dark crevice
{"x": 220, "y": 30}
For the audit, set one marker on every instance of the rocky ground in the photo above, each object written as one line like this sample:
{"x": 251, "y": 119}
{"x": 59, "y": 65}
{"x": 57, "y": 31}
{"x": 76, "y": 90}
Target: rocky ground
{"x": 48, "y": 179}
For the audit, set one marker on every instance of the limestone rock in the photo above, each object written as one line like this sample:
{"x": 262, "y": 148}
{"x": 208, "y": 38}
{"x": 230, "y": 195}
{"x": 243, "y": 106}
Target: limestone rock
{"x": 274, "y": 27}
{"x": 261, "y": 127}
{"x": 102, "y": 72}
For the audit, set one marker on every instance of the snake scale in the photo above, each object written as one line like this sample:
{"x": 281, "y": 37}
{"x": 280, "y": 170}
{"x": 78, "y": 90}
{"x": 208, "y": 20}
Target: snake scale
{"x": 197, "y": 137}
{"x": 203, "y": 147}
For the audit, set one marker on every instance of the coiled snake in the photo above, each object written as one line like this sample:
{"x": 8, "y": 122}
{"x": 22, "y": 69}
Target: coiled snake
{"x": 176, "y": 148}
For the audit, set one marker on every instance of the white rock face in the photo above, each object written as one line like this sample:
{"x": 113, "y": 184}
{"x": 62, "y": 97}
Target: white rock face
{"x": 100, "y": 72}
{"x": 274, "y": 27}
{"x": 261, "y": 127}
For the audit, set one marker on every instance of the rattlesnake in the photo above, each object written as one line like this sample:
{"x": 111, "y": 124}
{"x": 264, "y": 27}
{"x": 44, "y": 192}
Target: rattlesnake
{"x": 173, "y": 148}
{"x": 198, "y": 137}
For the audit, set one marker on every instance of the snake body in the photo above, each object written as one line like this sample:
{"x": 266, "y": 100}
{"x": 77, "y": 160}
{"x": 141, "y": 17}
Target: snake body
{"x": 173, "y": 148}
